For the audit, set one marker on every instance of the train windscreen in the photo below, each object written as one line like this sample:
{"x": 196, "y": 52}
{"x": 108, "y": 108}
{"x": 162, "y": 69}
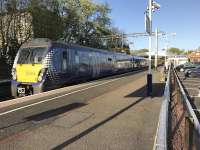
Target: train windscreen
{"x": 32, "y": 55}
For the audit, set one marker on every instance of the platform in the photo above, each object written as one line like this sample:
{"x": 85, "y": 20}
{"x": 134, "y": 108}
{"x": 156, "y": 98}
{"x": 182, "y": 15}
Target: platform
{"x": 116, "y": 116}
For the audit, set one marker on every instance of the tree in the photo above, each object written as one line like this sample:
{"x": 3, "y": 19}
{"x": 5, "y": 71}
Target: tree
{"x": 82, "y": 22}
{"x": 46, "y": 19}
{"x": 15, "y": 26}
{"x": 85, "y": 22}
{"x": 176, "y": 51}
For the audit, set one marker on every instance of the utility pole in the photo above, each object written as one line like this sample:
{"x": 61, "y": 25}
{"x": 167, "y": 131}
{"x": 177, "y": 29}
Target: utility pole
{"x": 149, "y": 75}
{"x": 167, "y": 46}
{"x": 152, "y": 5}
{"x": 166, "y": 50}
{"x": 122, "y": 41}
{"x": 156, "y": 54}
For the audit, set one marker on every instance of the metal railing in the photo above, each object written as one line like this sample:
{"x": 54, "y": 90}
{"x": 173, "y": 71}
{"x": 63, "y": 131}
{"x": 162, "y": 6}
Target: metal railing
{"x": 192, "y": 125}
{"x": 185, "y": 122}
{"x": 162, "y": 130}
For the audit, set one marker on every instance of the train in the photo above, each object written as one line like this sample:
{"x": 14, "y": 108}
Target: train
{"x": 42, "y": 65}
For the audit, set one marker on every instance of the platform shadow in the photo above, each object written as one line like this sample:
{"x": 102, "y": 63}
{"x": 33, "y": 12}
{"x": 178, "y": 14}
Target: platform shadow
{"x": 46, "y": 114}
{"x": 54, "y": 112}
{"x": 94, "y": 127}
{"x": 157, "y": 91}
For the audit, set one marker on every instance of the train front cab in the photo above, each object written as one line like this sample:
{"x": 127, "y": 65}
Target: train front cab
{"x": 28, "y": 71}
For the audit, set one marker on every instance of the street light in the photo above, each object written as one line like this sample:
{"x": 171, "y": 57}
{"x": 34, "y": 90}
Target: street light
{"x": 157, "y": 34}
{"x": 152, "y": 6}
{"x": 167, "y": 46}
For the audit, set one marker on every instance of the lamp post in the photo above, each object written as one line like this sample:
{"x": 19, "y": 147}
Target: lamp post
{"x": 152, "y": 5}
{"x": 156, "y": 54}
{"x": 167, "y": 47}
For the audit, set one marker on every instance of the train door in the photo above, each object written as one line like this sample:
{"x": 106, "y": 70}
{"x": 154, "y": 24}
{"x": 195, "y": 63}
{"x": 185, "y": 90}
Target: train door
{"x": 77, "y": 64}
{"x": 91, "y": 64}
{"x": 65, "y": 70}
{"x": 95, "y": 65}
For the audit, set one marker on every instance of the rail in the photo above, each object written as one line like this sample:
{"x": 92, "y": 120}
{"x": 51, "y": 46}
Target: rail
{"x": 192, "y": 125}
{"x": 162, "y": 130}
{"x": 186, "y": 126}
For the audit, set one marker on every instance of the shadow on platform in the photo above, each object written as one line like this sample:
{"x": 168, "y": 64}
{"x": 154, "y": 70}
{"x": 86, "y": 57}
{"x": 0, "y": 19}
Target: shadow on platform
{"x": 46, "y": 114}
{"x": 158, "y": 91}
{"x": 94, "y": 127}
{"x": 54, "y": 112}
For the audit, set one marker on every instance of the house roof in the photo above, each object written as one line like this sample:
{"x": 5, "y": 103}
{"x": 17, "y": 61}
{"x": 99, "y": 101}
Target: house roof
{"x": 195, "y": 55}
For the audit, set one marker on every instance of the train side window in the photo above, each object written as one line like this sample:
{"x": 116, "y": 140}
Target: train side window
{"x": 64, "y": 61}
{"x": 56, "y": 60}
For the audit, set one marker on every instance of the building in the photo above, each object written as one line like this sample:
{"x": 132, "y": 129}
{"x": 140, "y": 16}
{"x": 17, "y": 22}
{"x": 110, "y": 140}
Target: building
{"x": 177, "y": 60}
{"x": 195, "y": 56}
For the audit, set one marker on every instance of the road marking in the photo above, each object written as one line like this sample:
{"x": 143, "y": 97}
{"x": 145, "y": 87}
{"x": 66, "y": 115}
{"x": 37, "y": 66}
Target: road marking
{"x": 192, "y": 81}
{"x": 194, "y": 96}
{"x": 190, "y": 88}
{"x": 195, "y": 84}
{"x": 47, "y": 100}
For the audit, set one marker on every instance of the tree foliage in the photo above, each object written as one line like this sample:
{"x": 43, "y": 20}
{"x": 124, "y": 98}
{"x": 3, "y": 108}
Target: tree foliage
{"x": 46, "y": 19}
{"x": 15, "y": 26}
{"x": 82, "y": 22}
{"x": 176, "y": 51}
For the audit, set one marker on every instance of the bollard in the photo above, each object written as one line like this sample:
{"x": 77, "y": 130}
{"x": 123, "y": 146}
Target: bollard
{"x": 149, "y": 85}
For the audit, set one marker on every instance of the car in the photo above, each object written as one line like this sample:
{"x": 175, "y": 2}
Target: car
{"x": 194, "y": 72}
{"x": 179, "y": 67}
{"x": 186, "y": 66}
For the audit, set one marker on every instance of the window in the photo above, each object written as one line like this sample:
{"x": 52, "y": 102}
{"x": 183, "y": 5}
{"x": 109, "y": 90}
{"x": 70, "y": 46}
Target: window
{"x": 56, "y": 60}
{"x": 109, "y": 59}
{"x": 32, "y": 55}
{"x": 64, "y": 61}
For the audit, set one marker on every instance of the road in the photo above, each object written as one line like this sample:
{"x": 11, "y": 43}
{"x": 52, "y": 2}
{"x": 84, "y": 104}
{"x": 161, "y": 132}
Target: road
{"x": 111, "y": 113}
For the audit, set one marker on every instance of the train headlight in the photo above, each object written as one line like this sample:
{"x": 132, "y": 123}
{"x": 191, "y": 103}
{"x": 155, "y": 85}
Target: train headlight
{"x": 14, "y": 75}
{"x": 41, "y": 74}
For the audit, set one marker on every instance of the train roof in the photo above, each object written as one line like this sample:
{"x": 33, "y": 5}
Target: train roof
{"x": 45, "y": 42}
{"x": 42, "y": 42}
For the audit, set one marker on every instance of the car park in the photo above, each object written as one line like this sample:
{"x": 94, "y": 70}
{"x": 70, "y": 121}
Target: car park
{"x": 189, "y": 65}
{"x": 194, "y": 72}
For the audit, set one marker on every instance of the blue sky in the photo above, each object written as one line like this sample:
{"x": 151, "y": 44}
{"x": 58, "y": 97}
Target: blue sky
{"x": 180, "y": 16}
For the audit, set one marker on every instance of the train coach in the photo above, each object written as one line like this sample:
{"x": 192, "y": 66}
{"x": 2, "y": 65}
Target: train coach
{"x": 42, "y": 65}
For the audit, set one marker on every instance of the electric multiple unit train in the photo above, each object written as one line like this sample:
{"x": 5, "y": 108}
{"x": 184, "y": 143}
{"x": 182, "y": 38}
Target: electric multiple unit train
{"x": 42, "y": 65}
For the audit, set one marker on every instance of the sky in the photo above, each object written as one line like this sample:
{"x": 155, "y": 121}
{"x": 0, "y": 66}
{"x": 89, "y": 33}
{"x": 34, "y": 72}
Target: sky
{"x": 179, "y": 16}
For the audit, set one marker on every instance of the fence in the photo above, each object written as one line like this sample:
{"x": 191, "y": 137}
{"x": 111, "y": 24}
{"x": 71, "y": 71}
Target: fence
{"x": 178, "y": 126}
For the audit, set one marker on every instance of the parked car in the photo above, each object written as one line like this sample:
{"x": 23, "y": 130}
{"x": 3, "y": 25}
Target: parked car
{"x": 194, "y": 72}
{"x": 186, "y": 66}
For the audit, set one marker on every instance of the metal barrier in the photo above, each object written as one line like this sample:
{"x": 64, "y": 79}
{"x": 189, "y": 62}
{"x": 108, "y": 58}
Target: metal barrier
{"x": 191, "y": 122}
{"x": 162, "y": 130}
{"x": 178, "y": 125}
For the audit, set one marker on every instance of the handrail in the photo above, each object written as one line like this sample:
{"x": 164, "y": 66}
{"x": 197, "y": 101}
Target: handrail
{"x": 188, "y": 105}
{"x": 162, "y": 130}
